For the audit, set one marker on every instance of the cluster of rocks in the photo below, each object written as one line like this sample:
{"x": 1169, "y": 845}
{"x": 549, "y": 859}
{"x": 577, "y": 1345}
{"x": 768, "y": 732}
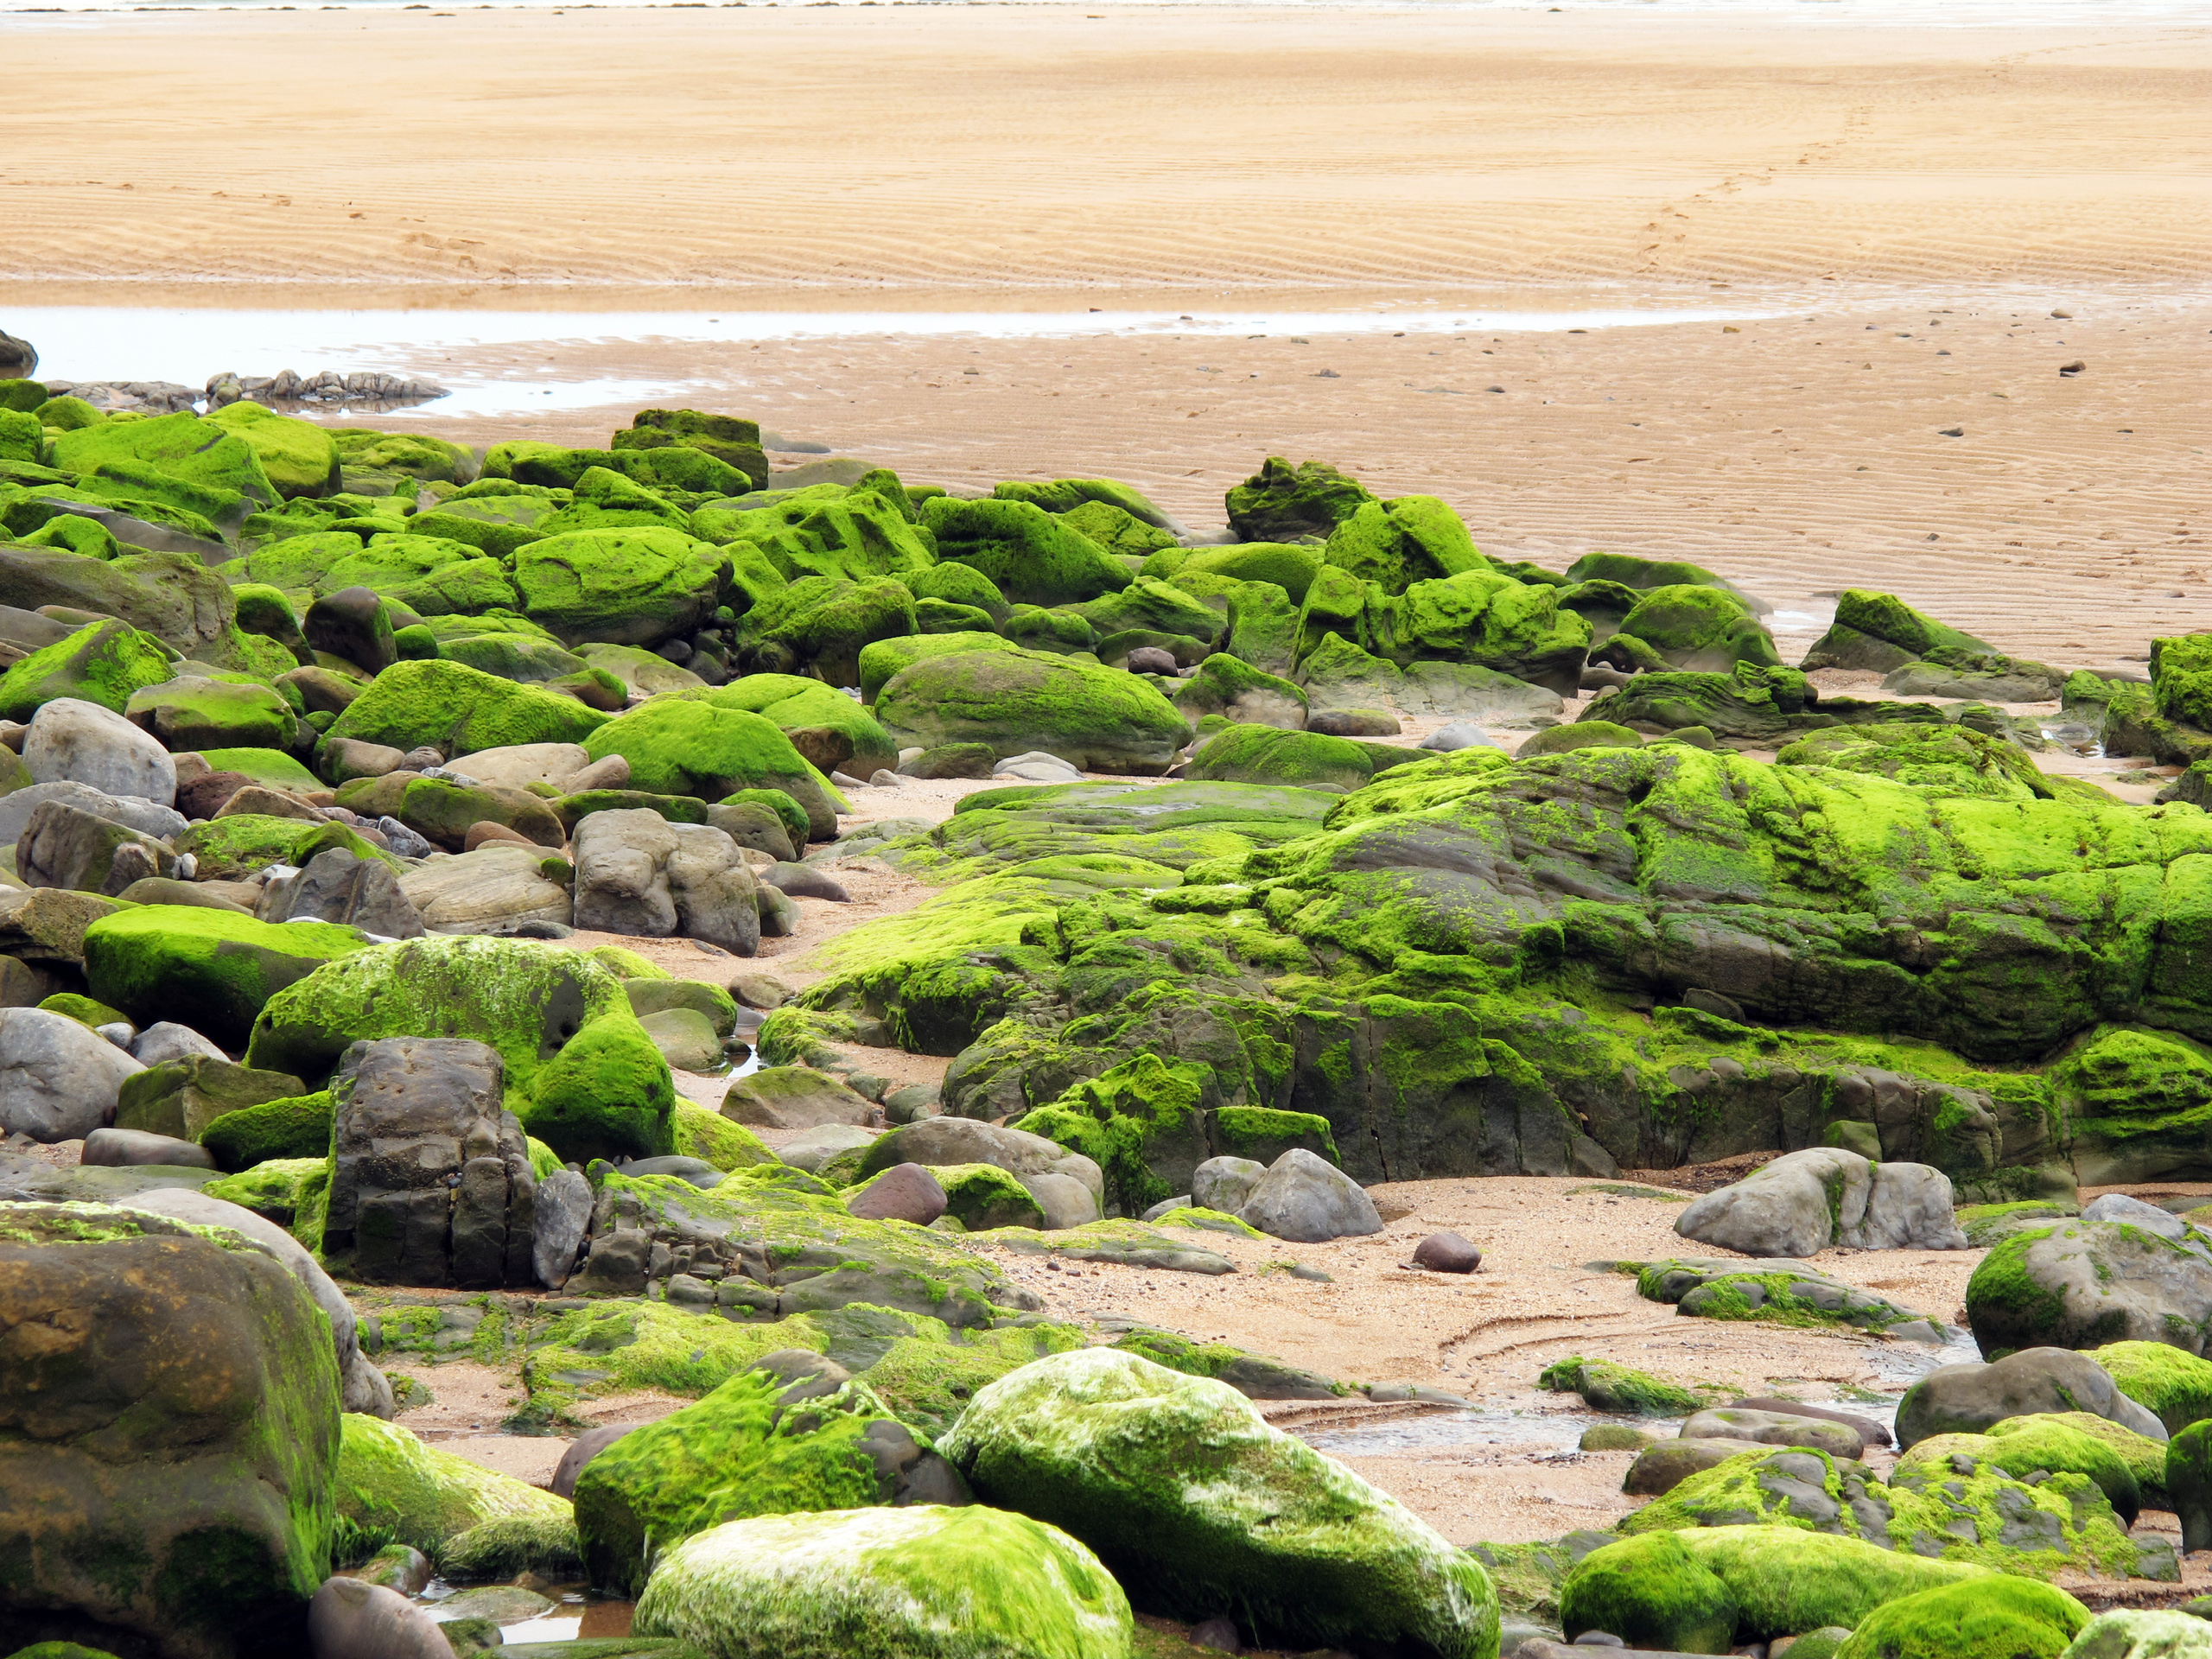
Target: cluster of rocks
{"x": 325, "y": 386}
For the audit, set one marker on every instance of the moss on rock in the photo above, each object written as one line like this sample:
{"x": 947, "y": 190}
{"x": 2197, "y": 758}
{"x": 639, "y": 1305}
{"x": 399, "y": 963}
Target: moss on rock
{"x": 211, "y": 969}
{"x": 1606, "y": 1386}
{"x": 2002, "y": 1617}
{"x": 458, "y": 710}
{"x": 2174, "y": 1386}
{"x": 390, "y": 1484}
{"x": 104, "y": 663}
{"x": 296, "y": 1128}
{"x": 1098, "y": 719}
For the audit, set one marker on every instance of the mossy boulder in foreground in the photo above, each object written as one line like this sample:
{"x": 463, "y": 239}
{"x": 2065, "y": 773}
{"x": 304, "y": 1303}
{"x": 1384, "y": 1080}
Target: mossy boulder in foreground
{"x": 167, "y": 1482}
{"x": 1982, "y": 1619}
{"x": 211, "y": 969}
{"x": 928, "y": 1582}
{"x": 391, "y": 1486}
{"x": 1199, "y": 1508}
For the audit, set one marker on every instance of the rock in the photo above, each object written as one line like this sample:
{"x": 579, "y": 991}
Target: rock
{"x": 561, "y": 1218}
{"x": 338, "y": 888}
{"x": 951, "y": 760}
{"x": 675, "y": 747}
{"x": 354, "y": 623}
{"x": 1047, "y": 1171}
{"x": 207, "y": 969}
{"x": 1666, "y": 1464}
{"x": 148, "y": 819}
{"x": 181, "y": 1097}
{"x": 639, "y": 874}
{"x": 519, "y": 766}
{"x": 351, "y": 1619}
{"x": 2126, "y": 1634}
{"x": 818, "y": 1146}
{"x": 167, "y": 1040}
{"x": 209, "y": 792}
{"x": 753, "y": 827}
{"x": 1019, "y": 702}
{"x": 1282, "y": 502}
{"x": 757, "y": 991}
{"x": 2079, "y": 1284}
{"x": 1037, "y": 767}
{"x": 686, "y": 1038}
{"x": 1784, "y": 1209}
{"x": 1970, "y": 1398}
{"x": 914, "y": 1102}
{"x": 1775, "y": 1428}
{"x": 344, "y": 758}
{"x": 390, "y": 1482}
{"x": 74, "y": 741}
{"x": 1870, "y": 1432}
{"x": 128, "y": 1148}
{"x": 902, "y": 1192}
{"x": 1459, "y": 735}
{"x": 1267, "y": 754}
{"x": 2007, "y": 1614}
{"x": 1785, "y": 1292}
{"x": 1306, "y": 1200}
{"x": 795, "y": 1097}
{"x": 62, "y": 847}
{"x": 431, "y": 1181}
{"x": 1356, "y": 722}
{"x": 1081, "y": 1441}
{"x": 59, "y": 1081}
{"x": 455, "y": 709}
{"x": 197, "y": 711}
{"x": 820, "y": 1585}
{"x": 396, "y": 1566}
{"x": 582, "y": 1450}
{"x": 216, "y": 1414}
{"x": 1150, "y": 659}
{"x": 1446, "y": 1253}
{"x": 1223, "y": 1184}
{"x": 805, "y": 882}
{"x": 496, "y": 889}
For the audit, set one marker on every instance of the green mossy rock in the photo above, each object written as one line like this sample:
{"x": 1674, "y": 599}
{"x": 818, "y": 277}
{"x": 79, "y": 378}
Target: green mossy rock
{"x": 983, "y": 1196}
{"x": 622, "y": 587}
{"x": 1186, "y": 1494}
{"x": 1397, "y": 543}
{"x": 1581, "y": 734}
{"x": 458, "y": 710}
{"x": 1879, "y": 632}
{"x": 1030, "y": 554}
{"x": 929, "y": 1582}
{"x": 2139, "y": 1103}
{"x": 1069, "y": 495}
{"x": 582, "y": 1073}
{"x": 675, "y": 745}
{"x": 1143, "y": 1124}
{"x": 188, "y": 1511}
{"x": 391, "y": 1486}
{"x": 83, "y": 1010}
{"x": 180, "y": 458}
{"x": 207, "y": 969}
{"x": 824, "y": 623}
{"x": 1707, "y": 630}
{"x": 709, "y": 1135}
{"x": 1606, "y": 1386}
{"x": 2084, "y": 1284}
{"x": 414, "y": 454}
{"x": 736, "y": 1453}
{"x": 1283, "y": 564}
{"x": 1781, "y": 1581}
{"x": 728, "y": 438}
{"x": 1956, "y": 760}
{"x": 278, "y": 1129}
{"x": 2174, "y": 1386}
{"x": 882, "y": 661}
{"x": 1064, "y": 633}
{"x": 1119, "y": 531}
{"x": 1477, "y": 617}
{"x": 1287, "y": 503}
{"x": 2181, "y": 677}
{"x": 845, "y": 534}
{"x": 2021, "y": 1445}
{"x": 1652, "y": 1594}
{"x": 1983, "y": 1618}
{"x": 1265, "y": 755}
{"x": 1098, "y": 719}
{"x": 1158, "y": 605}
{"x": 299, "y": 457}
{"x": 199, "y": 712}
{"x": 105, "y": 663}
{"x": 960, "y": 585}
{"x": 1242, "y": 694}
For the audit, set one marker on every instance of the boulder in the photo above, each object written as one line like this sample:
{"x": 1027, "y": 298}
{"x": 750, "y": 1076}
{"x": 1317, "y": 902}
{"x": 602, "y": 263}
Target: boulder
{"x": 639, "y": 874}
{"x": 1306, "y": 1200}
{"x": 1189, "y": 1497}
{"x": 1970, "y": 1398}
{"x": 390, "y": 1482}
{"x": 207, "y": 969}
{"x": 1446, "y": 1253}
{"x": 1223, "y": 1184}
{"x": 1803, "y": 1202}
{"x": 64, "y": 847}
{"x": 183, "y": 1392}
{"x": 1285, "y": 503}
{"x": 890, "y": 1581}
{"x": 675, "y": 747}
{"x": 352, "y": 1619}
{"x": 818, "y": 1148}
{"x": 199, "y": 711}
{"x": 457, "y": 710}
{"x": 625, "y": 585}
{"x": 2083, "y": 1284}
{"x": 181, "y": 1097}
{"x": 2126, "y": 1634}
{"x": 431, "y": 1181}
{"x": 562, "y": 1218}
{"x": 1262, "y": 754}
{"x": 338, "y": 888}
{"x": 75, "y": 742}
{"x": 520, "y": 764}
{"x": 1068, "y": 1187}
{"x": 1099, "y": 719}
{"x": 1029, "y": 555}
{"x": 136, "y": 1148}
{"x": 2008, "y": 1615}
{"x": 795, "y": 1097}
{"x": 59, "y": 1080}
{"x": 496, "y": 889}
{"x": 902, "y": 1192}
{"x": 1775, "y": 1428}
{"x": 580, "y": 1072}
{"x": 148, "y": 819}
{"x": 1660, "y": 1468}
{"x": 166, "y": 1039}
{"x": 2174, "y": 1387}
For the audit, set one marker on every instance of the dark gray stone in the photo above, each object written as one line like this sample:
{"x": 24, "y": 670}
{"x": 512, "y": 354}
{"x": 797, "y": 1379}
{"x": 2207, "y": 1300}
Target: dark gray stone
{"x": 355, "y": 624}
{"x": 129, "y": 1148}
{"x": 338, "y": 886}
{"x": 59, "y": 1080}
{"x": 563, "y": 1216}
{"x": 63, "y": 847}
{"x": 1968, "y": 1399}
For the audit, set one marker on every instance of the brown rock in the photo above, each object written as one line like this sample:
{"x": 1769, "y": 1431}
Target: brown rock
{"x": 203, "y": 797}
{"x": 268, "y": 803}
{"x": 485, "y": 829}
{"x": 902, "y": 1192}
{"x": 1667, "y": 1464}
{"x": 1446, "y": 1253}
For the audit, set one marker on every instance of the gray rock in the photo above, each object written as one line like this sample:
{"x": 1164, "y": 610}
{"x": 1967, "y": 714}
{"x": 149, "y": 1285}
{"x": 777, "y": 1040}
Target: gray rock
{"x": 936, "y": 1141}
{"x": 344, "y": 758}
{"x": 686, "y": 1039}
{"x": 365, "y": 1387}
{"x": 62, "y": 847}
{"x": 1306, "y": 1200}
{"x": 1785, "y": 1208}
{"x": 351, "y": 1619}
{"x": 750, "y": 826}
{"x": 353, "y": 623}
{"x": 146, "y": 817}
{"x": 1037, "y": 767}
{"x": 1967, "y": 1399}
{"x": 1223, "y": 1184}
{"x": 819, "y": 1145}
{"x": 902, "y": 1192}
{"x": 586, "y": 1446}
{"x": 2118, "y": 1206}
{"x": 168, "y": 1040}
{"x": 805, "y": 882}
{"x": 914, "y": 1102}
{"x": 638, "y": 874}
{"x": 401, "y": 842}
{"x": 1165, "y": 1205}
{"x": 1775, "y": 1428}
{"x": 59, "y": 1080}
{"x": 130, "y": 1149}
{"x": 1459, "y": 735}
{"x": 1065, "y": 1200}
{"x": 795, "y": 1097}
{"x": 121, "y": 1033}
{"x": 183, "y": 1096}
{"x": 431, "y": 1181}
{"x": 1150, "y": 659}
{"x": 2102, "y": 1282}
{"x": 1870, "y": 1433}
{"x": 338, "y": 886}
{"x": 83, "y": 743}
{"x": 562, "y": 1214}
{"x": 697, "y": 1171}
{"x": 496, "y": 889}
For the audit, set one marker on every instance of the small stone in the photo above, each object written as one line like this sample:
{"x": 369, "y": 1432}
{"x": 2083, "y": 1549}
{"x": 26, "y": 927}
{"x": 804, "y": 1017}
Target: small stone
{"x": 1355, "y": 722}
{"x": 883, "y": 777}
{"x": 1446, "y": 1253}
{"x": 846, "y": 780}
{"x": 350, "y": 1619}
{"x": 803, "y": 881}
{"x": 1217, "y": 1636}
{"x": 420, "y": 759}
{"x": 1459, "y": 735}
{"x": 2073, "y": 368}
{"x": 1950, "y": 432}
{"x": 1150, "y": 659}
{"x": 902, "y": 1192}
{"x": 135, "y": 1148}
{"x": 484, "y": 830}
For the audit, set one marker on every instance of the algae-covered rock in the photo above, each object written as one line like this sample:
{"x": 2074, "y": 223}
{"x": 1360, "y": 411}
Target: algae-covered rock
{"x": 2138, "y": 1102}
{"x": 196, "y": 712}
{"x": 2085, "y": 1284}
{"x": 822, "y": 623}
{"x": 211, "y": 969}
{"x": 1703, "y": 629}
{"x": 179, "y": 459}
{"x": 678, "y": 746}
{"x": 1098, "y": 719}
{"x": 175, "y": 1432}
{"x": 2003, "y": 1618}
{"x": 1029, "y": 555}
{"x": 1195, "y": 1504}
{"x": 299, "y": 457}
{"x": 104, "y": 663}
{"x": 2021, "y": 1445}
{"x": 1264, "y": 754}
{"x": 1606, "y": 1386}
{"x": 1879, "y": 632}
{"x": 2126, "y": 1634}
{"x": 456, "y": 709}
{"x": 390, "y": 1484}
{"x": 1970, "y": 1399}
{"x": 293, "y": 1128}
{"x": 2174, "y": 1386}
{"x": 1285, "y": 503}
{"x": 582, "y": 1073}
{"x": 948, "y": 1583}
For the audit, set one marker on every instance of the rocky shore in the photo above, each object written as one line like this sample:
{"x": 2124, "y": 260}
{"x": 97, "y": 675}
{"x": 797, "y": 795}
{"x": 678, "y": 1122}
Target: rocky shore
{"x": 847, "y": 1014}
